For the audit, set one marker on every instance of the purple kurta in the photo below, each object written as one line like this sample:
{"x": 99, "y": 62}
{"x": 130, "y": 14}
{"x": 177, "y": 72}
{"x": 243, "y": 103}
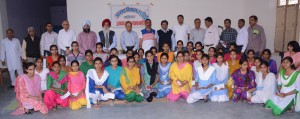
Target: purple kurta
{"x": 273, "y": 67}
{"x": 240, "y": 82}
{"x": 87, "y": 41}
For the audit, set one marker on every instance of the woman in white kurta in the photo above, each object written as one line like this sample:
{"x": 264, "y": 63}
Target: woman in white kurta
{"x": 265, "y": 81}
{"x": 288, "y": 86}
{"x": 11, "y": 52}
{"x": 256, "y": 68}
{"x": 205, "y": 78}
{"x": 219, "y": 93}
{"x": 96, "y": 85}
{"x": 42, "y": 72}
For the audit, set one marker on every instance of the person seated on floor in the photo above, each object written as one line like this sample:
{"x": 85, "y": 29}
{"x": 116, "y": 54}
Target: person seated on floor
{"x": 28, "y": 92}
{"x": 181, "y": 74}
{"x": 205, "y": 78}
{"x": 130, "y": 81}
{"x": 113, "y": 81}
{"x": 96, "y": 85}
{"x": 272, "y": 63}
{"x": 164, "y": 82}
{"x": 232, "y": 46}
{"x": 166, "y": 49}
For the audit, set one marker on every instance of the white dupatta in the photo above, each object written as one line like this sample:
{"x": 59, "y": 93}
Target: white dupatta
{"x": 98, "y": 81}
{"x": 205, "y": 75}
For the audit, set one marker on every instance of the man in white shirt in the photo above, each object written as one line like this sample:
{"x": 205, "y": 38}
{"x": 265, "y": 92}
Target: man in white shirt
{"x": 197, "y": 33}
{"x": 11, "y": 52}
{"x": 48, "y": 38}
{"x": 211, "y": 37}
{"x": 107, "y": 37}
{"x": 242, "y": 37}
{"x": 65, "y": 37}
{"x": 181, "y": 31}
{"x": 129, "y": 38}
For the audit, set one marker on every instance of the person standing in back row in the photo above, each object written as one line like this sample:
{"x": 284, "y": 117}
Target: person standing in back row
{"x": 31, "y": 46}
{"x": 182, "y": 31}
{"x": 107, "y": 37}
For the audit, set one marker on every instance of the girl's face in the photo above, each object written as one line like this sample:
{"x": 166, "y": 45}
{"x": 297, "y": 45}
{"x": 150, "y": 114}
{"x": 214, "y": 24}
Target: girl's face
{"x": 286, "y": 64}
{"x": 114, "y": 52}
{"x": 187, "y": 57}
{"x": 204, "y": 61}
{"x": 220, "y": 59}
{"x": 211, "y": 52}
{"x": 244, "y": 66}
{"x": 199, "y": 55}
{"x": 39, "y": 63}
{"x": 114, "y": 62}
{"x": 89, "y": 57}
{"x": 129, "y": 53}
{"x": 99, "y": 48}
{"x": 62, "y": 62}
{"x": 98, "y": 65}
{"x": 53, "y": 51}
{"x": 136, "y": 57}
{"x": 30, "y": 70}
{"x": 233, "y": 55}
{"x": 75, "y": 47}
{"x": 266, "y": 56}
{"x": 264, "y": 69}
{"x": 179, "y": 45}
{"x": 163, "y": 59}
{"x": 166, "y": 48}
{"x": 56, "y": 68}
{"x": 250, "y": 55}
{"x": 231, "y": 47}
{"x": 189, "y": 47}
{"x": 141, "y": 53}
{"x": 149, "y": 57}
{"x": 198, "y": 47}
{"x": 74, "y": 67}
{"x": 180, "y": 58}
{"x": 130, "y": 63}
{"x": 290, "y": 48}
{"x": 154, "y": 52}
{"x": 257, "y": 63}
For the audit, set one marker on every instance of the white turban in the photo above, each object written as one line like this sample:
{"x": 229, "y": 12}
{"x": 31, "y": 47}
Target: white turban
{"x": 86, "y": 22}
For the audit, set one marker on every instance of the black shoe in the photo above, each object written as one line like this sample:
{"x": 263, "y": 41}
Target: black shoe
{"x": 11, "y": 87}
{"x": 154, "y": 94}
{"x": 149, "y": 99}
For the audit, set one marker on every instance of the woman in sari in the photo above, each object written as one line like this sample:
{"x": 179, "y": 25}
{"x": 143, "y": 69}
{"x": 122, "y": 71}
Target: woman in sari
{"x": 57, "y": 83}
{"x": 149, "y": 77}
{"x": 219, "y": 93}
{"x": 28, "y": 92}
{"x": 113, "y": 81}
{"x": 266, "y": 83}
{"x": 76, "y": 87}
{"x": 288, "y": 95}
{"x": 130, "y": 81}
{"x": 181, "y": 74}
{"x": 205, "y": 78}
{"x": 96, "y": 85}
{"x": 244, "y": 82}
{"x": 164, "y": 85}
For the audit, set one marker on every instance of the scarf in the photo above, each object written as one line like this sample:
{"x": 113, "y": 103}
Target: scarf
{"x": 152, "y": 71}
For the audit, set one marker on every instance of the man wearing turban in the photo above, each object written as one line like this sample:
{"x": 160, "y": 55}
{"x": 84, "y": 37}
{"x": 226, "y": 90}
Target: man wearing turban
{"x": 107, "y": 37}
{"x": 87, "y": 39}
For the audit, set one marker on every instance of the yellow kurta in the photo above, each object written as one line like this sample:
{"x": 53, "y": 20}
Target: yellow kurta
{"x": 183, "y": 74}
{"x": 133, "y": 77}
{"x": 229, "y": 83}
{"x": 170, "y": 54}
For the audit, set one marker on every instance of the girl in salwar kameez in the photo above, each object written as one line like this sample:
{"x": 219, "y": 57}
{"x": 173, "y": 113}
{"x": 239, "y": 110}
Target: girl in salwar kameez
{"x": 63, "y": 64}
{"x": 96, "y": 85}
{"x": 219, "y": 93}
{"x": 181, "y": 75}
{"x": 28, "y": 92}
{"x": 205, "y": 78}
{"x": 233, "y": 65}
{"x": 288, "y": 94}
{"x": 53, "y": 57}
{"x": 76, "y": 87}
{"x": 149, "y": 77}
{"x": 42, "y": 72}
{"x": 114, "y": 72}
{"x": 244, "y": 82}
{"x": 130, "y": 81}
{"x": 166, "y": 49}
{"x": 164, "y": 85}
{"x": 88, "y": 64}
{"x": 57, "y": 83}
{"x": 265, "y": 81}
{"x": 272, "y": 63}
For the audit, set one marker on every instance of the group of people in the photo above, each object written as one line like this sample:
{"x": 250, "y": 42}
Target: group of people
{"x": 74, "y": 71}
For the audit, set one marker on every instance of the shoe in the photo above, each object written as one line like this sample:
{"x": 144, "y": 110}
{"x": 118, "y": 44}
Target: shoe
{"x": 154, "y": 94}
{"x": 149, "y": 99}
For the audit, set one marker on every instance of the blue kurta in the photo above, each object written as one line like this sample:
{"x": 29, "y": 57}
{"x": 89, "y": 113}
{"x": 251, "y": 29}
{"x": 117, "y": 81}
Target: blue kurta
{"x": 114, "y": 76}
{"x": 163, "y": 72}
{"x": 203, "y": 82}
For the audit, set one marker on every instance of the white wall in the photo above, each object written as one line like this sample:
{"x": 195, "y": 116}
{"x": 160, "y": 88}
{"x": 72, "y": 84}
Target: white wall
{"x": 97, "y": 10}
{"x": 3, "y": 22}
